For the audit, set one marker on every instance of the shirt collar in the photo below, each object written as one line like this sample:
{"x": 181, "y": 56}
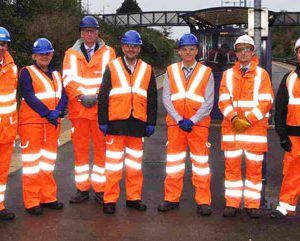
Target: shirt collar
{"x": 132, "y": 67}
{"x": 247, "y": 66}
{"x": 87, "y": 47}
{"x": 193, "y": 66}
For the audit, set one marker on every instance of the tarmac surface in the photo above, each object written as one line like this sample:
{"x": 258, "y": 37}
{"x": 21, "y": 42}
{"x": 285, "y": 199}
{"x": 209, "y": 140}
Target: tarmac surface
{"x": 86, "y": 221}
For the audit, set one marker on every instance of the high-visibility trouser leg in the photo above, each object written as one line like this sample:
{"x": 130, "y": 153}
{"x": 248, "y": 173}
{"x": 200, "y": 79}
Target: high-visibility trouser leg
{"x": 47, "y": 164}
{"x": 176, "y": 153}
{"x": 290, "y": 188}
{"x": 133, "y": 164}
{"x": 81, "y": 136}
{"x": 6, "y": 153}
{"x": 98, "y": 177}
{"x": 253, "y": 182}
{"x": 233, "y": 178}
{"x": 32, "y": 138}
{"x": 199, "y": 153}
{"x": 113, "y": 167}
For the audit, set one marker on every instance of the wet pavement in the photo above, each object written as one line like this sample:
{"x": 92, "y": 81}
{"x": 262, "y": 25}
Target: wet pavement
{"x": 86, "y": 222}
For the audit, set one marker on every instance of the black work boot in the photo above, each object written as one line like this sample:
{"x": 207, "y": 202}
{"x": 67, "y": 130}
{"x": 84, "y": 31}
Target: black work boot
{"x": 166, "y": 206}
{"x": 80, "y": 197}
{"x": 99, "y": 197}
{"x": 276, "y": 214}
{"x": 230, "y": 211}
{"x": 253, "y": 212}
{"x": 6, "y": 215}
{"x": 36, "y": 210}
{"x": 53, "y": 205}
{"x": 109, "y": 208}
{"x": 136, "y": 204}
{"x": 204, "y": 209}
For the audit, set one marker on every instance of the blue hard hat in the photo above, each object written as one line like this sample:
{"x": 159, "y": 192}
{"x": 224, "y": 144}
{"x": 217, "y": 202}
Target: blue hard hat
{"x": 89, "y": 22}
{"x": 132, "y": 37}
{"x": 4, "y": 35}
{"x": 188, "y": 39}
{"x": 42, "y": 46}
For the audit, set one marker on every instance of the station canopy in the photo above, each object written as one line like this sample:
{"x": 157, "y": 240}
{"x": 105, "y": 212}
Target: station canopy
{"x": 211, "y": 18}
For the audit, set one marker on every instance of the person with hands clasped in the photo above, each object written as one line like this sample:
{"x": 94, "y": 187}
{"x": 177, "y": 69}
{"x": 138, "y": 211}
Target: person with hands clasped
{"x": 245, "y": 100}
{"x": 188, "y": 96}
{"x": 83, "y": 69}
{"x": 43, "y": 104}
{"x": 127, "y": 111}
{"x": 287, "y": 126}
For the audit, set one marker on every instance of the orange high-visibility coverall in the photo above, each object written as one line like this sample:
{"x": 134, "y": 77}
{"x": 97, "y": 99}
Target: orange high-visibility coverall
{"x": 39, "y": 140}
{"x": 187, "y": 98}
{"x": 251, "y": 96}
{"x": 127, "y": 97}
{"x": 288, "y": 107}
{"x": 83, "y": 77}
{"x": 8, "y": 118}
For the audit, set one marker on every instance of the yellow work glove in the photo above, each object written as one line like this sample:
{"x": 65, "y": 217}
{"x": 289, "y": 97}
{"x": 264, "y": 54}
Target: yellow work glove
{"x": 239, "y": 125}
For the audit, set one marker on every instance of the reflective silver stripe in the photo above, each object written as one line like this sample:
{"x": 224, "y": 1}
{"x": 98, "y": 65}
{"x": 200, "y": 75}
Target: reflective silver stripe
{"x": 254, "y": 157}
{"x": 223, "y": 97}
{"x": 9, "y": 97}
{"x": 1, "y": 197}
{"x": 287, "y": 206}
{"x": 81, "y": 178}
{"x": 98, "y": 169}
{"x": 232, "y": 154}
{"x": 233, "y": 184}
{"x": 257, "y": 83}
{"x": 194, "y": 97}
{"x": 245, "y": 103}
{"x": 175, "y": 169}
{"x": 114, "y": 154}
{"x": 2, "y": 188}
{"x": 113, "y": 166}
{"x": 227, "y": 110}
{"x": 48, "y": 95}
{"x": 178, "y": 81}
{"x": 292, "y": 80}
{"x": 245, "y": 138}
{"x": 229, "y": 74}
{"x": 48, "y": 154}
{"x": 98, "y": 178}
{"x": 201, "y": 171}
{"x": 257, "y": 113}
{"x": 83, "y": 168}
{"x": 233, "y": 193}
{"x": 72, "y": 73}
{"x": 199, "y": 159}
{"x": 250, "y": 184}
{"x": 265, "y": 97}
{"x": 15, "y": 69}
{"x": 8, "y": 109}
{"x": 122, "y": 90}
{"x": 125, "y": 88}
{"x": 190, "y": 94}
{"x": 282, "y": 210}
{"x": 251, "y": 194}
{"x": 45, "y": 82}
{"x": 133, "y": 164}
{"x": 88, "y": 91}
{"x": 105, "y": 60}
{"x": 137, "y": 82}
{"x": 31, "y": 170}
{"x": 46, "y": 166}
{"x": 30, "y": 157}
{"x": 294, "y": 101}
{"x": 176, "y": 157}
{"x": 58, "y": 83}
{"x": 134, "y": 153}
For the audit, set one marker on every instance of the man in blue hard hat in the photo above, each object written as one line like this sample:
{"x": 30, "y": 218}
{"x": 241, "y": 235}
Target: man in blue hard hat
{"x": 188, "y": 96}
{"x": 8, "y": 115}
{"x": 127, "y": 112}
{"x": 83, "y": 69}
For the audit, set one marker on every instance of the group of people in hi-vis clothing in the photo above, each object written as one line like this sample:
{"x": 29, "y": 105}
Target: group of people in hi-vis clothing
{"x": 113, "y": 102}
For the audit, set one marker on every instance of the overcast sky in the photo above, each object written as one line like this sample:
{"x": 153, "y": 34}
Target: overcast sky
{"x": 110, "y": 6}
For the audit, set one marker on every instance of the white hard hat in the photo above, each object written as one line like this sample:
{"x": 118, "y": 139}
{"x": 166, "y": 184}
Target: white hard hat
{"x": 297, "y": 44}
{"x": 244, "y": 39}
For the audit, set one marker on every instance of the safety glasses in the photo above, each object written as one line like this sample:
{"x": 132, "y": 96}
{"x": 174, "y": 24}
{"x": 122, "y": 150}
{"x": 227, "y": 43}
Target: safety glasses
{"x": 243, "y": 50}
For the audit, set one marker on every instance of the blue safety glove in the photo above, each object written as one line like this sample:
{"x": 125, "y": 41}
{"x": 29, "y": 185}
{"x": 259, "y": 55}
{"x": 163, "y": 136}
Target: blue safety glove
{"x": 186, "y": 125}
{"x": 52, "y": 117}
{"x": 286, "y": 143}
{"x": 150, "y": 129}
{"x": 88, "y": 101}
{"x": 104, "y": 128}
